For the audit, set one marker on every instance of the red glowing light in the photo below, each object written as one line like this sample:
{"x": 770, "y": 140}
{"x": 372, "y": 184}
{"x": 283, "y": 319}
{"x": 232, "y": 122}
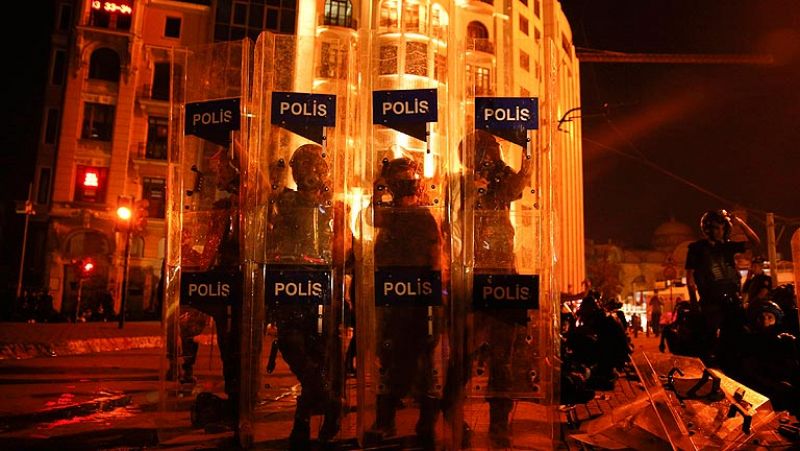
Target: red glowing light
{"x": 90, "y": 179}
{"x": 112, "y": 7}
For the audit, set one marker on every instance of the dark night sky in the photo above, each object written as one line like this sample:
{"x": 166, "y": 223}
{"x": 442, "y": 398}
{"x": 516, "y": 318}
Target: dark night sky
{"x": 731, "y": 130}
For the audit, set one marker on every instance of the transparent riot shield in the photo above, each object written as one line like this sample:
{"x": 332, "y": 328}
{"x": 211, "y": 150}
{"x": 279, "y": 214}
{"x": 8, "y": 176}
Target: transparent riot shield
{"x": 698, "y": 407}
{"x": 509, "y": 362}
{"x": 402, "y": 239}
{"x": 298, "y": 241}
{"x": 203, "y": 301}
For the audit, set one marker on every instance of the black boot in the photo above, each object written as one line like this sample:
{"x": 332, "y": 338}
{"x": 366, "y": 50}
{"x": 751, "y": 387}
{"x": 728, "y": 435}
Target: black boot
{"x": 499, "y": 409}
{"x": 386, "y": 410}
{"x": 300, "y": 437}
{"x": 332, "y": 422}
{"x": 426, "y": 425}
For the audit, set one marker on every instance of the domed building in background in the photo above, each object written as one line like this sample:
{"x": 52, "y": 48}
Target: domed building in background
{"x": 671, "y": 234}
{"x": 641, "y": 271}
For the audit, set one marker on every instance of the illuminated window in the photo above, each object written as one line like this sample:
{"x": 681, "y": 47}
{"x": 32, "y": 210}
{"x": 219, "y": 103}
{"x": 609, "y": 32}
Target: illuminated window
{"x": 523, "y": 24}
{"x": 388, "y": 60}
{"x": 417, "y": 58}
{"x": 388, "y": 18}
{"x": 524, "y": 61}
{"x": 478, "y": 80}
{"x": 482, "y": 81}
{"x": 436, "y": 21}
{"x": 157, "y": 135}
{"x": 104, "y": 65}
{"x": 172, "y": 27}
{"x": 332, "y": 62}
{"x": 98, "y": 121}
{"x": 91, "y": 184}
{"x": 411, "y": 17}
{"x": 339, "y": 13}
{"x": 154, "y": 191}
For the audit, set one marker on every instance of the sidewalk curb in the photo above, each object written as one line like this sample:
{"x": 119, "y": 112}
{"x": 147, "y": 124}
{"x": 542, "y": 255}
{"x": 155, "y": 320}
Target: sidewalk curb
{"x": 12, "y": 351}
{"x": 16, "y": 351}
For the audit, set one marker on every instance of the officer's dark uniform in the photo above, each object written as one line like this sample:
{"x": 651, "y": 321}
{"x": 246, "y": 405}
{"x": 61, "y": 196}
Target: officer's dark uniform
{"x": 302, "y": 237}
{"x": 406, "y": 237}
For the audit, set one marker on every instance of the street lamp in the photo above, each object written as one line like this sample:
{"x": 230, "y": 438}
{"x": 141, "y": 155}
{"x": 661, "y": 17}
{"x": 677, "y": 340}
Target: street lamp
{"x": 125, "y": 214}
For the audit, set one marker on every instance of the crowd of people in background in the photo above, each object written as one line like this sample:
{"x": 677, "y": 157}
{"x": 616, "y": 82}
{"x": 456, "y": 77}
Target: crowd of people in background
{"x": 748, "y": 329}
{"x": 36, "y": 306}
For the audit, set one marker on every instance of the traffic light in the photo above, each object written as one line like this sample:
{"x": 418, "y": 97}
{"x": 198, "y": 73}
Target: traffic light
{"x": 125, "y": 212}
{"x": 140, "y": 216}
{"x": 86, "y": 267}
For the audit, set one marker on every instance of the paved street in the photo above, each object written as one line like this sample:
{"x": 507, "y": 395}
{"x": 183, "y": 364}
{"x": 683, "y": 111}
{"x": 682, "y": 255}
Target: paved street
{"x": 112, "y": 399}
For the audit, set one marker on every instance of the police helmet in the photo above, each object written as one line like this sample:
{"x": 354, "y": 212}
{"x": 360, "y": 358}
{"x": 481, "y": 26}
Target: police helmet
{"x": 770, "y": 307}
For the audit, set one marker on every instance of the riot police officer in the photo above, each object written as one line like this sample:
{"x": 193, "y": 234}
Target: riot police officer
{"x": 302, "y": 236}
{"x": 407, "y": 236}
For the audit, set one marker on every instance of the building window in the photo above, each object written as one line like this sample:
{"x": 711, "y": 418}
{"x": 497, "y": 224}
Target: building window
{"x": 524, "y": 92}
{"x": 524, "y": 2}
{"x": 157, "y": 137}
{"x": 417, "y": 58}
{"x": 114, "y": 15}
{"x": 91, "y": 184}
{"x": 59, "y": 67}
{"x": 482, "y": 81}
{"x": 239, "y": 13}
{"x": 237, "y": 20}
{"x": 104, "y": 65}
{"x": 172, "y": 27}
{"x": 438, "y": 21}
{"x": 440, "y": 67}
{"x": 537, "y": 8}
{"x": 161, "y": 77}
{"x": 64, "y": 17}
{"x": 478, "y": 37}
{"x": 43, "y": 189}
{"x": 339, "y": 13}
{"x": 523, "y": 24}
{"x": 98, "y": 121}
{"x": 51, "y": 125}
{"x": 137, "y": 246}
{"x": 478, "y": 80}
{"x": 388, "y": 17}
{"x": 524, "y": 61}
{"x": 411, "y": 17}
{"x": 332, "y": 62}
{"x": 537, "y": 35}
{"x": 477, "y": 30}
{"x": 388, "y": 60}
{"x": 154, "y": 191}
